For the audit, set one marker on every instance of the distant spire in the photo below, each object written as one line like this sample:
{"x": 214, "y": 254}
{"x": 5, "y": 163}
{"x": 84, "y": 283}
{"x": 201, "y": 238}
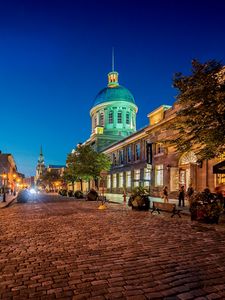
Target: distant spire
{"x": 41, "y": 151}
{"x": 113, "y": 59}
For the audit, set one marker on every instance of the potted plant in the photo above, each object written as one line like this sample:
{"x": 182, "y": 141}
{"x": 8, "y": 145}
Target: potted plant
{"x": 205, "y": 207}
{"x": 139, "y": 199}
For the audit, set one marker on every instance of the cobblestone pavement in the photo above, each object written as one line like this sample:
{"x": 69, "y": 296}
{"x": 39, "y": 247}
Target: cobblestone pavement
{"x": 68, "y": 249}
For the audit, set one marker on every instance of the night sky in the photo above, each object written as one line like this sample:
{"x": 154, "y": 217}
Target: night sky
{"x": 55, "y": 56}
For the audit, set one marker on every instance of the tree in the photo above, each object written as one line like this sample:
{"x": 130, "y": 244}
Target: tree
{"x": 70, "y": 175}
{"x": 85, "y": 164}
{"x": 200, "y": 120}
{"x": 50, "y": 177}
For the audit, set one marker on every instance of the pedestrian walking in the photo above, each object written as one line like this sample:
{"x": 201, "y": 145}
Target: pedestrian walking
{"x": 165, "y": 194}
{"x": 181, "y": 196}
{"x": 190, "y": 192}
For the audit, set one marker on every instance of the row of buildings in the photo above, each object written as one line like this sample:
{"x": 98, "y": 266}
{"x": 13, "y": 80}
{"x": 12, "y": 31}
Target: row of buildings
{"x": 10, "y": 178}
{"x": 142, "y": 158}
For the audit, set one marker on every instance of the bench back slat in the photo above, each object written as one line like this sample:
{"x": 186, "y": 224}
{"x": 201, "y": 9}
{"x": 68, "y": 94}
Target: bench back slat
{"x": 164, "y": 206}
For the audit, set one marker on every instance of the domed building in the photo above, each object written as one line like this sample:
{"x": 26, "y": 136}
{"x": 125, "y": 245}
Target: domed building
{"x": 113, "y": 114}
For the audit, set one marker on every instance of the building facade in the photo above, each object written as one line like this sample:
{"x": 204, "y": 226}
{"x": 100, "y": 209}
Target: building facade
{"x": 8, "y": 171}
{"x": 113, "y": 114}
{"x": 145, "y": 159}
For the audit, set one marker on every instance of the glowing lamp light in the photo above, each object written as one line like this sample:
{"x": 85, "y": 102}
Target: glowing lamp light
{"x": 32, "y": 191}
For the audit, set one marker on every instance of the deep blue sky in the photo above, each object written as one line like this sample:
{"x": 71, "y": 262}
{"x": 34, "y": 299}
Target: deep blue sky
{"x": 55, "y": 56}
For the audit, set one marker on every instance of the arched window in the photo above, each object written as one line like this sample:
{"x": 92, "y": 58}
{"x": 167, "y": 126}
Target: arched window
{"x": 127, "y": 118}
{"x": 102, "y": 119}
{"x": 111, "y": 117}
{"x": 119, "y": 117}
{"x": 188, "y": 158}
{"x": 95, "y": 121}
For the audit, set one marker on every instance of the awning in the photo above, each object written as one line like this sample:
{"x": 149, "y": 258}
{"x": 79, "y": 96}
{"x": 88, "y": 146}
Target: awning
{"x": 219, "y": 168}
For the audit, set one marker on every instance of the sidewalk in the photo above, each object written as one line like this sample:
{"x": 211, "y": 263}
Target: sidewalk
{"x": 9, "y": 199}
{"x": 118, "y": 198}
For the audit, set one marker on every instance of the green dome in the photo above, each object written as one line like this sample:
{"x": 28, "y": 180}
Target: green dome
{"x": 116, "y": 93}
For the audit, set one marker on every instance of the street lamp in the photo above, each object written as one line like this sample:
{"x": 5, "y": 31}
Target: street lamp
{"x": 14, "y": 184}
{"x": 4, "y": 176}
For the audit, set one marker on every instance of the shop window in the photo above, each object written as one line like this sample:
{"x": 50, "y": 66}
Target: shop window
{"x": 159, "y": 175}
{"x": 136, "y": 177}
{"x": 147, "y": 177}
{"x": 121, "y": 180}
{"x": 108, "y": 181}
{"x": 114, "y": 180}
{"x": 128, "y": 179}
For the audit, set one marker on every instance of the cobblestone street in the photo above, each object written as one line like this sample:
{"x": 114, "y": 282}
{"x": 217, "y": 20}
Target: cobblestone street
{"x": 68, "y": 249}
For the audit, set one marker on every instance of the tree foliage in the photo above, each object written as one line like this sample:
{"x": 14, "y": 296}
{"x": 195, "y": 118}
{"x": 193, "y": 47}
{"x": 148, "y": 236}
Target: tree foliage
{"x": 200, "y": 120}
{"x": 50, "y": 177}
{"x": 85, "y": 163}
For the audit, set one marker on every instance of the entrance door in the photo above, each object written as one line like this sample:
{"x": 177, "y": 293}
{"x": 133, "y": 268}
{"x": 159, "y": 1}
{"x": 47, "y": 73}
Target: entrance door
{"x": 184, "y": 178}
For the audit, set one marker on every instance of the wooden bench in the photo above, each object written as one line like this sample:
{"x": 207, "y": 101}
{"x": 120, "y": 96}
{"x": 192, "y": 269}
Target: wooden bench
{"x": 169, "y": 207}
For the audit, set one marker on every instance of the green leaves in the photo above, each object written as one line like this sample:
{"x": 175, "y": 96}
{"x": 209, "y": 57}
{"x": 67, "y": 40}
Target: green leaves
{"x": 200, "y": 120}
{"x": 85, "y": 163}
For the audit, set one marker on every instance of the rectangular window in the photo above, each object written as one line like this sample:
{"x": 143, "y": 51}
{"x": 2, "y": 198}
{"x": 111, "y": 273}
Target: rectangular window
{"x": 119, "y": 117}
{"x": 114, "y": 161}
{"x": 159, "y": 175}
{"x": 128, "y": 179}
{"x": 114, "y": 180}
{"x": 137, "y": 151}
{"x": 121, "y": 180}
{"x": 147, "y": 177}
{"x": 121, "y": 157}
{"x": 127, "y": 118}
{"x": 110, "y": 117}
{"x": 129, "y": 154}
{"x": 108, "y": 181}
{"x": 136, "y": 177}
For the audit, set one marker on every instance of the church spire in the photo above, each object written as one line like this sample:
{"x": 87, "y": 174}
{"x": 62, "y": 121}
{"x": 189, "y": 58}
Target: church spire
{"x": 41, "y": 157}
{"x": 113, "y": 75}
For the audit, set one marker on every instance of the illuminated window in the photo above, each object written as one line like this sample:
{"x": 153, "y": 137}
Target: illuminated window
{"x": 137, "y": 151}
{"x": 159, "y": 175}
{"x": 147, "y": 177}
{"x": 102, "y": 119}
{"x": 111, "y": 117}
{"x": 121, "y": 180}
{"x": 136, "y": 177}
{"x": 128, "y": 179}
{"x": 114, "y": 180}
{"x": 127, "y": 118}
{"x": 108, "y": 181}
{"x": 129, "y": 153}
{"x": 119, "y": 117}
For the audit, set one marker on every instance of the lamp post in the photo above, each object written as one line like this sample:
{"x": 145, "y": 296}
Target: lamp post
{"x": 4, "y": 176}
{"x": 14, "y": 184}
